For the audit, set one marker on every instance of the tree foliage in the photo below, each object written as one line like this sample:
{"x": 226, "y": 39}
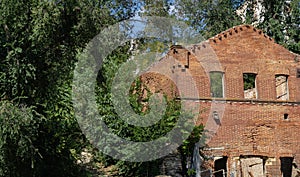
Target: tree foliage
{"x": 279, "y": 19}
{"x": 209, "y": 17}
{"x": 19, "y": 153}
{"x": 282, "y": 21}
{"x": 39, "y": 41}
{"x": 127, "y": 131}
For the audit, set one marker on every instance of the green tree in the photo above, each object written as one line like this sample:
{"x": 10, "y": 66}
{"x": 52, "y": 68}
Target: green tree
{"x": 125, "y": 130}
{"x": 279, "y": 19}
{"x": 209, "y": 17}
{"x": 39, "y": 42}
{"x": 281, "y": 22}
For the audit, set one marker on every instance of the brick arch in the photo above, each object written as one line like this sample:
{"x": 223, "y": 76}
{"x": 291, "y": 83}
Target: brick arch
{"x": 282, "y": 70}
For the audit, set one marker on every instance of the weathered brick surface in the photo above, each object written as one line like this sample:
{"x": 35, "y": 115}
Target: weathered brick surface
{"x": 248, "y": 127}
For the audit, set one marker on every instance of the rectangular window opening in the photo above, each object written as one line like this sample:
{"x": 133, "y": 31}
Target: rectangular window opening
{"x": 220, "y": 167}
{"x": 250, "y": 91}
{"x": 216, "y": 84}
{"x": 253, "y": 165}
{"x": 286, "y": 116}
{"x": 282, "y": 87}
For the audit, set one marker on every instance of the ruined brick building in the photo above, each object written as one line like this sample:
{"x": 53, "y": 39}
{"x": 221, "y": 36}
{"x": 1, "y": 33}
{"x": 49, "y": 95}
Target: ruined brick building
{"x": 250, "y": 88}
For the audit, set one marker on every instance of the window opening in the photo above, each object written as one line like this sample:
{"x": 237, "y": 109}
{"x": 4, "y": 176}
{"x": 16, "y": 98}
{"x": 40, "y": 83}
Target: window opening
{"x": 286, "y": 166}
{"x": 285, "y": 116}
{"x": 220, "y": 167}
{"x": 216, "y": 84}
{"x": 250, "y": 91}
{"x": 282, "y": 87}
{"x": 252, "y": 165}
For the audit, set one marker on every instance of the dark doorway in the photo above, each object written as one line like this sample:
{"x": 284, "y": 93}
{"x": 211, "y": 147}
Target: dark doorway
{"x": 220, "y": 165}
{"x": 286, "y": 166}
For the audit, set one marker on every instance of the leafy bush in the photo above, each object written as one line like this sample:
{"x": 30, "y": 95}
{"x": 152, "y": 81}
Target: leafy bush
{"x": 19, "y": 130}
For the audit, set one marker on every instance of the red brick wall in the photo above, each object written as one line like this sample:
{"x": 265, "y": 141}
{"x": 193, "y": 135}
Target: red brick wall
{"x": 253, "y": 127}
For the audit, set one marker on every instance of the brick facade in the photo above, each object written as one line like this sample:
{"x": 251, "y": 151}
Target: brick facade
{"x": 266, "y": 127}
